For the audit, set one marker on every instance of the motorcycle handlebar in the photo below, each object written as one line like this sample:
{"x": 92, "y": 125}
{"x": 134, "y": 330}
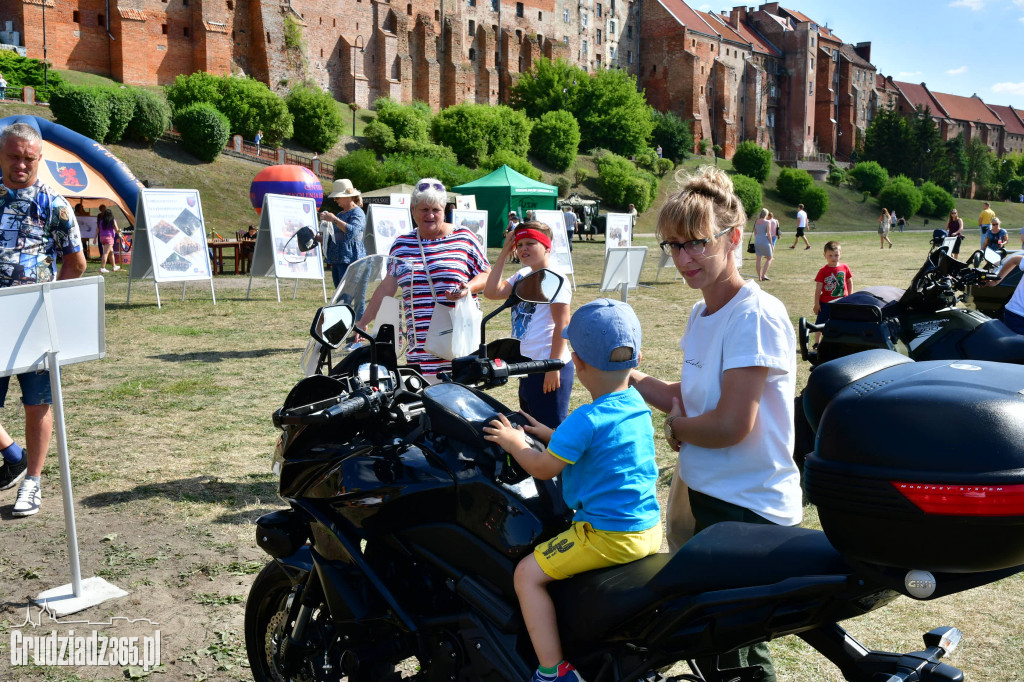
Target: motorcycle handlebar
{"x": 534, "y": 367}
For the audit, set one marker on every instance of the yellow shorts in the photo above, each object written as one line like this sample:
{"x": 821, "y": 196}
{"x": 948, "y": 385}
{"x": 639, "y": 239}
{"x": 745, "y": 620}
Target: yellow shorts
{"x": 582, "y": 548}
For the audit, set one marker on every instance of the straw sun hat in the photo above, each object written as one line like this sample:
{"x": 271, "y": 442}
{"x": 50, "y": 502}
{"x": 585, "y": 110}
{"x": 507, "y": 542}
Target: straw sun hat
{"x": 343, "y": 188}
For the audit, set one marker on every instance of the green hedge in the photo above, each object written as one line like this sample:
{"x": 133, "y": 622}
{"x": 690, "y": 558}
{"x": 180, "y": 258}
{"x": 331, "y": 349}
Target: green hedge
{"x": 792, "y": 184}
{"x": 516, "y": 163}
{"x": 21, "y": 71}
{"x": 362, "y": 168}
{"x": 120, "y": 103}
{"x": 622, "y": 183}
{"x": 249, "y": 105}
{"x": 869, "y": 176}
{"x": 900, "y": 195}
{"x": 752, "y": 160}
{"x": 204, "y": 130}
{"x": 815, "y": 201}
{"x": 936, "y": 201}
{"x": 749, "y": 191}
{"x": 151, "y": 118}
{"x": 83, "y": 110}
{"x": 476, "y": 131}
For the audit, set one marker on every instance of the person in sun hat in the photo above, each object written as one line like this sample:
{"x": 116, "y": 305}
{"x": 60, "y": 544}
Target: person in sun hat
{"x": 345, "y": 241}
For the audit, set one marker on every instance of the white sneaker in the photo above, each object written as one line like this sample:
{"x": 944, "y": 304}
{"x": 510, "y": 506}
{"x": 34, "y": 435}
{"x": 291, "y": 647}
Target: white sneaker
{"x": 29, "y": 498}
{"x": 104, "y": 270}
{"x": 116, "y": 268}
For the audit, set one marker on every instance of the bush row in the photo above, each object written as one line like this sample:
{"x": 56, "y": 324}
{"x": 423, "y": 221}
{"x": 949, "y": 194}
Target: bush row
{"x": 111, "y": 114}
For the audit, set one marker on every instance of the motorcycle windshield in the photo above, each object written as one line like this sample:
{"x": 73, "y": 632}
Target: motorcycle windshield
{"x": 356, "y": 289}
{"x": 937, "y": 265}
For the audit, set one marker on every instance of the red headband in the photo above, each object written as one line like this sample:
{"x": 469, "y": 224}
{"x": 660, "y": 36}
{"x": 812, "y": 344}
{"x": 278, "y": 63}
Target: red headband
{"x": 536, "y": 235}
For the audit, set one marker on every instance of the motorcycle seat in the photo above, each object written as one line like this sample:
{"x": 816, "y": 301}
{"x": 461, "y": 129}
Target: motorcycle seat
{"x": 724, "y": 556}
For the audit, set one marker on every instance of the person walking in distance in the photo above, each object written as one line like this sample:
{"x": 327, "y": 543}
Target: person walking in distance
{"x": 36, "y": 224}
{"x": 801, "y": 225}
{"x": 985, "y": 221}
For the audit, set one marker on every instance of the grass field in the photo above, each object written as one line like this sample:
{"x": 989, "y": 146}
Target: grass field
{"x": 170, "y": 440}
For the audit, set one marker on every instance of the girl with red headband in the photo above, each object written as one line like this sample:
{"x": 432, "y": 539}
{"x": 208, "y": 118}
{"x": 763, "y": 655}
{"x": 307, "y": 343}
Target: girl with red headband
{"x": 537, "y": 326}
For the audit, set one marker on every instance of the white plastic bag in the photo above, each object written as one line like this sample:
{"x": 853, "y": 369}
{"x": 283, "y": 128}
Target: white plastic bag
{"x": 466, "y": 318}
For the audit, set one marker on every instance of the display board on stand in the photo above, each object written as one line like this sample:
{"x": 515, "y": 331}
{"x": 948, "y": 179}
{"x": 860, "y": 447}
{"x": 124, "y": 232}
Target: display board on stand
{"x": 622, "y": 268}
{"x": 560, "y": 244}
{"x": 475, "y": 222}
{"x": 618, "y": 232}
{"x": 465, "y": 202}
{"x": 169, "y": 243}
{"x": 276, "y": 253}
{"x": 400, "y": 199}
{"x": 49, "y": 325}
{"x": 384, "y": 224}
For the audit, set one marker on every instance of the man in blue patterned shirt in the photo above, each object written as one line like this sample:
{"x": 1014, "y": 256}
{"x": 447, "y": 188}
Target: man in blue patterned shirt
{"x": 36, "y": 224}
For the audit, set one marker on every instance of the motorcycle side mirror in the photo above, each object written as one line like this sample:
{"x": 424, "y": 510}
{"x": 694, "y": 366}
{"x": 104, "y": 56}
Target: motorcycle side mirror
{"x": 538, "y": 287}
{"x": 332, "y": 323}
{"x": 298, "y": 245}
{"x": 992, "y": 256}
{"x": 541, "y": 287}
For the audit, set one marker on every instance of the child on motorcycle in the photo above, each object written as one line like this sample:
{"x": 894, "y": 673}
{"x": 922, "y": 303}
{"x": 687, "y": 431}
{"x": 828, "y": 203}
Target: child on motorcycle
{"x": 604, "y": 452}
{"x": 538, "y": 327}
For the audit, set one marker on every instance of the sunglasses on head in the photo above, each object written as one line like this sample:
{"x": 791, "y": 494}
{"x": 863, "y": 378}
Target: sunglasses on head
{"x": 424, "y": 186}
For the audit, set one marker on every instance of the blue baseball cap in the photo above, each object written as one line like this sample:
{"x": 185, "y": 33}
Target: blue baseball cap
{"x": 601, "y": 326}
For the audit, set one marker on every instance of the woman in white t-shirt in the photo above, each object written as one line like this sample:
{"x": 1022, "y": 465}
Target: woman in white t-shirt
{"x": 731, "y": 414}
{"x": 545, "y": 397}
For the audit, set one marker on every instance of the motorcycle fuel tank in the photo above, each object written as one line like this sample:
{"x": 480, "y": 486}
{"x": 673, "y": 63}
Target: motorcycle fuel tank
{"x": 919, "y": 465}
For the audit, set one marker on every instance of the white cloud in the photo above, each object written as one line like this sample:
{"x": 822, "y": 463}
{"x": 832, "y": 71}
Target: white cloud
{"x": 957, "y": 71}
{"x": 1009, "y": 88}
{"x": 969, "y": 4}
{"x": 1019, "y": 3}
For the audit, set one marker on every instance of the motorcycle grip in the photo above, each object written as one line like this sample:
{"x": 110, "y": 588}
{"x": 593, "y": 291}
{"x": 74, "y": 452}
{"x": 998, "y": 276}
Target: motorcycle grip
{"x": 534, "y": 366}
{"x": 346, "y": 408}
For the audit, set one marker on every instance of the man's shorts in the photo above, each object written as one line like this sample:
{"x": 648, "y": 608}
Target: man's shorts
{"x": 35, "y": 388}
{"x": 582, "y": 548}
{"x": 799, "y": 232}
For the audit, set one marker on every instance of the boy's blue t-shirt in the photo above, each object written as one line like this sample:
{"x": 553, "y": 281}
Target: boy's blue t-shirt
{"x": 611, "y": 474}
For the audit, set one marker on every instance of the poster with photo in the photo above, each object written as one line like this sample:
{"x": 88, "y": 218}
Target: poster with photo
{"x": 474, "y": 221}
{"x": 385, "y": 224}
{"x": 560, "y": 244}
{"x": 87, "y": 226}
{"x": 618, "y": 233}
{"x": 466, "y": 202}
{"x": 286, "y": 215}
{"x": 171, "y": 224}
{"x": 398, "y": 199}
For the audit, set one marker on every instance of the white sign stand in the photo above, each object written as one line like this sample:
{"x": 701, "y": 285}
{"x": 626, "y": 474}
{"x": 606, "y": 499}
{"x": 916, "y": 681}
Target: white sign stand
{"x": 276, "y": 254}
{"x": 618, "y": 230}
{"x": 560, "y": 244}
{"x": 170, "y": 240}
{"x": 622, "y": 267}
{"x": 665, "y": 260}
{"x": 60, "y": 323}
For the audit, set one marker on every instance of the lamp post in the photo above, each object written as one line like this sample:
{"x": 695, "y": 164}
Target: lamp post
{"x": 45, "y": 70}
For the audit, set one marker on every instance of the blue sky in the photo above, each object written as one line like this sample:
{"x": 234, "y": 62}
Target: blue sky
{"x": 961, "y": 47}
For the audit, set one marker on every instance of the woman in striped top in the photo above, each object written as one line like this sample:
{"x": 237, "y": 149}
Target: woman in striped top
{"x": 456, "y": 262}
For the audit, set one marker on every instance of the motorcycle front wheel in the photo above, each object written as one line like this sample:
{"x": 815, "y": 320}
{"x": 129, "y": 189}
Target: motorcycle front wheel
{"x": 268, "y": 621}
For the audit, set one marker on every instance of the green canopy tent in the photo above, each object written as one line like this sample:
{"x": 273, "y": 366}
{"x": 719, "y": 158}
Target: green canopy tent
{"x": 506, "y": 190}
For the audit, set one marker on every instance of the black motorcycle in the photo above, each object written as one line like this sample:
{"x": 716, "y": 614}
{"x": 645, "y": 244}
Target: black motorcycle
{"x": 395, "y": 556}
{"x": 921, "y": 322}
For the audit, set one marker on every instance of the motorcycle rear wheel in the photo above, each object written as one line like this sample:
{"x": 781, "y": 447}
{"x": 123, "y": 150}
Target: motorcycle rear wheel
{"x": 268, "y": 621}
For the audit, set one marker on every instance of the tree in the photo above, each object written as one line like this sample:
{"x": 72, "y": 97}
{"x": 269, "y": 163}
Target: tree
{"x": 750, "y": 193}
{"x": 752, "y": 160}
{"x": 406, "y": 121}
{"x": 926, "y": 143}
{"x": 555, "y": 139}
{"x": 204, "y": 130}
{"x": 951, "y": 169}
{"x": 673, "y": 134}
{"x": 980, "y": 164}
{"x": 888, "y": 141}
{"x": 548, "y": 86}
{"x": 613, "y": 114}
{"x": 318, "y": 119}
{"x": 192, "y": 89}
{"x": 815, "y": 201}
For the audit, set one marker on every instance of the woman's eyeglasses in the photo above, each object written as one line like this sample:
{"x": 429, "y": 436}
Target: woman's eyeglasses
{"x": 424, "y": 186}
{"x": 694, "y": 247}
